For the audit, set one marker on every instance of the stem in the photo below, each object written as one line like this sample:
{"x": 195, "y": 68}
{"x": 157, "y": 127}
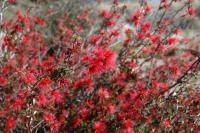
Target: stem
{"x": 1, "y": 22}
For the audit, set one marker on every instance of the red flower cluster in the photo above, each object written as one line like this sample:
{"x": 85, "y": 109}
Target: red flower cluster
{"x": 88, "y": 76}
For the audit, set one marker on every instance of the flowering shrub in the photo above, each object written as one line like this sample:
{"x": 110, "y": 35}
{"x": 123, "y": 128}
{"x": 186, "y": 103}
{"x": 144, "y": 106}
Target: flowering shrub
{"x": 79, "y": 82}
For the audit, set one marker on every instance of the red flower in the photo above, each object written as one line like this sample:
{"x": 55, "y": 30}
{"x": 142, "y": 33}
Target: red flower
{"x": 49, "y": 12}
{"x": 100, "y": 61}
{"x": 56, "y": 95}
{"x": 94, "y": 39}
{"x": 83, "y": 82}
{"x": 45, "y": 83}
{"x": 128, "y": 126}
{"x": 77, "y": 122}
{"x": 17, "y": 104}
{"x": 2, "y": 81}
{"x": 191, "y": 12}
{"x": 55, "y": 127}
{"x": 10, "y": 124}
{"x": 99, "y": 127}
{"x": 48, "y": 117}
{"x": 111, "y": 109}
{"x": 84, "y": 113}
{"x": 147, "y": 9}
{"x": 166, "y": 124}
{"x": 136, "y": 17}
{"x": 6, "y": 70}
{"x": 41, "y": 100}
{"x": 29, "y": 78}
{"x": 146, "y": 26}
{"x": 79, "y": 29}
{"x": 104, "y": 14}
{"x": 172, "y": 41}
{"x": 3, "y": 113}
{"x": 166, "y": 6}
{"x": 13, "y": 2}
{"x": 140, "y": 36}
{"x": 115, "y": 33}
{"x": 103, "y": 93}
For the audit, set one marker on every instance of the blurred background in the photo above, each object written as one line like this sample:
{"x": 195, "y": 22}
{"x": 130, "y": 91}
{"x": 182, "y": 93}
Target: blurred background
{"x": 74, "y": 7}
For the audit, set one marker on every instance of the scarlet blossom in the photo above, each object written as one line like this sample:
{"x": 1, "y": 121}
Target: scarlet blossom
{"x": 136, "y": 17}
{"x": 45, "y": 83}
{"x": 178, "y": 31}
{"x": 101, "y": 60}
{"x": 103, "y": 93}
{"x": 84, "y": 113}
{"x": 111, "y": 109}
{"x": 17, "y": 105}
{"x": 49, "y": 12}
{"x": 147, "y": 9}
{"x": 29, "y": 78}
{"x": 48, "y": 117}
{"x": 10, "y": 124}
{"x": 104, "y": 14}
{"x": 56, "y": 95}
{"x": 79, "y": 29}
{"x": 128, "y": 126}
{"x": 166, "y": 6}
{"x": 140, "y": 36}
{"x": 42, "y": 100}
{"x": 94, "y": 39}
{"x": 42, "y": 23}
{"x": 55, "y": 127}
{"x": 17, "y": 28}
{"x": 2, "y": 81}
{"x": 13, "y": 2}
{"x": 145, "y": 50}
{"x": 146, "y": 26}
{"x": 99, "y": 127}
{"x": 64, "y": 83}
{"x": 191, "y": 12}
{"x": 166, "y": 124}
{"x": 155, "y": 39}
{"x": 115, "y": 33}
{"x": 25, "y": 40}
{"x": 83, "y": 83}
{"x": 172, "y": 41}
{"x": 77, "y": 122}
{"x": 164, "y": 87}
{"x": 3, "y": 113}
{"x": 6, "y": 24}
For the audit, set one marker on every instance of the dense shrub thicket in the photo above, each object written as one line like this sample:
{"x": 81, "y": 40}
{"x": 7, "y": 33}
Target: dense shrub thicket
{"x": 126, "y": 76}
